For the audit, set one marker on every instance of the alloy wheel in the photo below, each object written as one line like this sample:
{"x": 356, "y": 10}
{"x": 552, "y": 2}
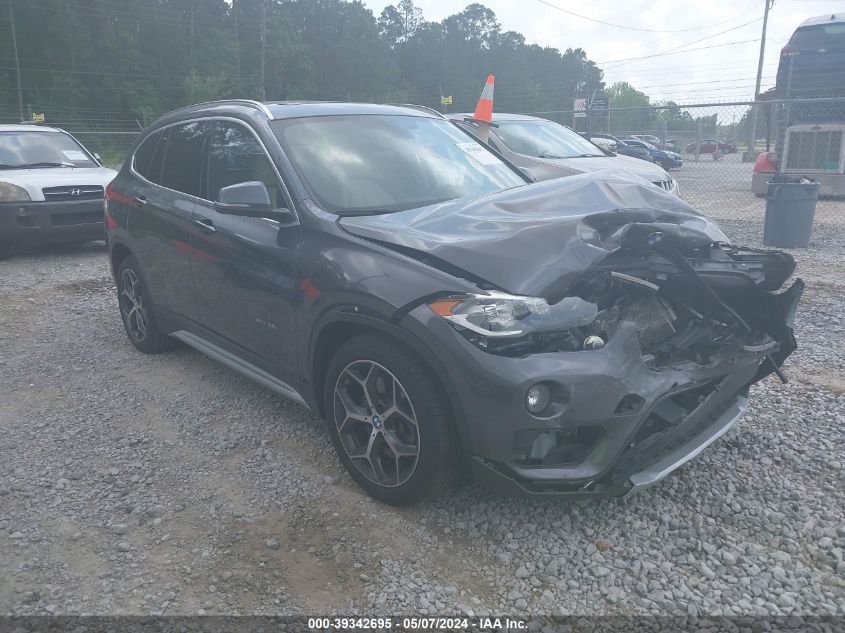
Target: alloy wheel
{"x": 131, "y": 299}
{"x": 376, "y": 423}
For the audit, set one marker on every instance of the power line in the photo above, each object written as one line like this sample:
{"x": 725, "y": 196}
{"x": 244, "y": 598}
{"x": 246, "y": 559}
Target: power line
{"x": 689, "y": 50}
{"x": 631, "y": 28}
{"x": 670, "y": 50}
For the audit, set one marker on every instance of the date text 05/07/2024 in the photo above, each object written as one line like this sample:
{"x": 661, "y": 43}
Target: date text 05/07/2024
{"x": 433, "y": 623}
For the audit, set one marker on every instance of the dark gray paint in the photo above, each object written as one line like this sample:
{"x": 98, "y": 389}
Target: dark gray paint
{"x": 376, "y": 272}
{"x": 530, "y": 240}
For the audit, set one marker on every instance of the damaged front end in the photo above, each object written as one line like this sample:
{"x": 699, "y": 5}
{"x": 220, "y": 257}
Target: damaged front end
{"x": 694, "y": 301}
{"x": 713, "y": 316}
{"x": 627, "y": 315}
{"x": 691, "y": 300}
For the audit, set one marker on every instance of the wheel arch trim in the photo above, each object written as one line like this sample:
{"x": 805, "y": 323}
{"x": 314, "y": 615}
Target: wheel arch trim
{"x": 346, "y": 315}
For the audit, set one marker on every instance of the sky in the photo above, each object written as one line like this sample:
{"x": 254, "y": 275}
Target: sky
{"x": 726, "y": 70}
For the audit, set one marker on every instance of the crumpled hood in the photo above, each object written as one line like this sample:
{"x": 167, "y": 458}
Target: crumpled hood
{"x": 34, "y": 180}
{"x": 629, "y": 164}
{"x": 540, "y": 238}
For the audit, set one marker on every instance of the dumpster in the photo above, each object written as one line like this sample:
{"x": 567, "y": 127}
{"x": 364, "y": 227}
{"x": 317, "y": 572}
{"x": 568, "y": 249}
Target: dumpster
{"x": 790, "y": 209}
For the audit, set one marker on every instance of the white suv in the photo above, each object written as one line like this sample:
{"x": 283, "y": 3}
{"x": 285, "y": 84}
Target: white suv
{"x": 51, "y": 188}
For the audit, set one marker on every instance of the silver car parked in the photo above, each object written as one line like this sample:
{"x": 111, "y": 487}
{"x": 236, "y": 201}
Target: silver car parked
{"x": 550, "y": 150}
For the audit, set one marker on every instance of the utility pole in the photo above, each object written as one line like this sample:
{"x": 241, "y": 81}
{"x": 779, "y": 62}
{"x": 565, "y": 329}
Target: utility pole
{"x": 261, "y": 91}
{"x": 752, "y": 132}
{"x": 191, "y": 20}
{"x": 157, "y": 36}
{"x": 17, "y": 59}
{"x": 237, "y": 38}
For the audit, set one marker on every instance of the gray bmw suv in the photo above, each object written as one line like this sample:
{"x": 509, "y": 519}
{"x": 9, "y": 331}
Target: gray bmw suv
{"x": 582, "y": 336}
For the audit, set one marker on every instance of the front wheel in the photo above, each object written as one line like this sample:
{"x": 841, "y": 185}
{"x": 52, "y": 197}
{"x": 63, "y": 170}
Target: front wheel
{"x": 390, "y": 421}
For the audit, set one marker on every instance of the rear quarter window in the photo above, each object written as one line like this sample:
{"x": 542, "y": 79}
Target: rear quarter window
{"x": 148, "y": 157}
{"x": 182, "y": 170}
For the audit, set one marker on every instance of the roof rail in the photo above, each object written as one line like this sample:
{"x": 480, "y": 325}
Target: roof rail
{"x": 421, "y": 108}
{"x": 249, "y": 102}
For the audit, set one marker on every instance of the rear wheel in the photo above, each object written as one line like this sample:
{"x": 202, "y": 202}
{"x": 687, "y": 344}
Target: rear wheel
{"x": 5, "y": 249}
{"x": 136, "y": 310}
{"x": 390, "y": 421}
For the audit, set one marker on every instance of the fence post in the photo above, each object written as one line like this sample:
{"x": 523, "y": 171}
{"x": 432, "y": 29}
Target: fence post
{"x": 750, "y": 154}
{"x": 663, "y": 132}
{"x": 698, "y": 141}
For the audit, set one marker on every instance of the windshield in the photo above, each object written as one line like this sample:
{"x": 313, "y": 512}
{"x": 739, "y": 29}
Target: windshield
{"x": 355, "y": 164}
{"x": 544, "y": 139}
{"x": 39, "y": 148}
{"x": 819, "y": 36}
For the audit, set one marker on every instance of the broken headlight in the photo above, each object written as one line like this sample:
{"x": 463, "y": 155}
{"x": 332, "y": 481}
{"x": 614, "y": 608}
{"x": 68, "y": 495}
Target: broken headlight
{"x": 499, "y": 315}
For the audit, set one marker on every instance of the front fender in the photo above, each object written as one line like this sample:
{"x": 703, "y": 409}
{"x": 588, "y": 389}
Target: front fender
{"x": 349, "y": 315}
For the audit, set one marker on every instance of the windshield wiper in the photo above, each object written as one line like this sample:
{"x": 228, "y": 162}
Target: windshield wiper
{"x": 573, "y": 156}
{"x": 35, "y": 165}
{"x": 42, "y": 164}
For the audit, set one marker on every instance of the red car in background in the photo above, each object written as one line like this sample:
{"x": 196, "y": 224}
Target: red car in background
{"x": 709, "y": 146}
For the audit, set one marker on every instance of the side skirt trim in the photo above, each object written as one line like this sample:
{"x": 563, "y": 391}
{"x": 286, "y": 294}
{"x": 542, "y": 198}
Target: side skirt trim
{"x": 239, "y": 365}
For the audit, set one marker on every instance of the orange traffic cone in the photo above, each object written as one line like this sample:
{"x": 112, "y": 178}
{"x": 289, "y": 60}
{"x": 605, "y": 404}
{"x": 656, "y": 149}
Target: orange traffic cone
{"x": 484, "y": 110}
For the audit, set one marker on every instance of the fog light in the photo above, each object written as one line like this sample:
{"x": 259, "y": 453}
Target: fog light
{"x": 537, "y": 398}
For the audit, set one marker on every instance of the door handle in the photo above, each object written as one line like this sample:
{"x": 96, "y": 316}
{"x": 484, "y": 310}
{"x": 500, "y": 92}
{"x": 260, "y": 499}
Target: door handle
{"x": 205, "y": 225}
{"x": 140, "y": 201}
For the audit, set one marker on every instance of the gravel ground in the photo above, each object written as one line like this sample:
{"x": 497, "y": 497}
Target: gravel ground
{"x": 135, "y": 484}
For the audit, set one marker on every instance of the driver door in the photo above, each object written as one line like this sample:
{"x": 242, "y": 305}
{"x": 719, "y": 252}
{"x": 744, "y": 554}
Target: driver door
{"x": 245, "y": 268}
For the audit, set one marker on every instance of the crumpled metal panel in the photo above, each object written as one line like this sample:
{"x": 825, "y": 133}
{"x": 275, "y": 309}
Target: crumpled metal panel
{"x": 538, "y": 239}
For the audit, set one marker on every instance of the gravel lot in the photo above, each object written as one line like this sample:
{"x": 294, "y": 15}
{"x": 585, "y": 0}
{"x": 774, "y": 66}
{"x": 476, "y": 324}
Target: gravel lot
{"x": 132, "y": 484}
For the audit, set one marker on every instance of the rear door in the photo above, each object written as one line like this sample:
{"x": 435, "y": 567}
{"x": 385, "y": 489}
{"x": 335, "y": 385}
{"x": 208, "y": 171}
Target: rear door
{"x": 245, "y": 268}
{"x": 170, "y": 166}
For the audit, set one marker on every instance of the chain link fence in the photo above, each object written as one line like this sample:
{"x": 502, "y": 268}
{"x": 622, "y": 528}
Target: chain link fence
{"x": 112, "y": 145}
{"x": 801, "y": 137}
{"x": 720, "y": 143}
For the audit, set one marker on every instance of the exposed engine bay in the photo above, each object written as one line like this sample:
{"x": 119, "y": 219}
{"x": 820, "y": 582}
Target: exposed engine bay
{"x": 689, "y": 305}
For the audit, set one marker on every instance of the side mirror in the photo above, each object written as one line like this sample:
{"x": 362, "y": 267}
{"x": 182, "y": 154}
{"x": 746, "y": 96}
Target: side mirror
{"x": 250, "y": 199}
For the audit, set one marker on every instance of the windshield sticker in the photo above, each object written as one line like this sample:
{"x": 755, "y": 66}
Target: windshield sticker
{"x": 75, "y": 154}
{"x": 480, "y": 154}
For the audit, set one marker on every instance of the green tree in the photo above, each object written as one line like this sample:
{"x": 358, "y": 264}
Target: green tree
{"x": 630, "y": 106}
{"x": 98, "y": 62}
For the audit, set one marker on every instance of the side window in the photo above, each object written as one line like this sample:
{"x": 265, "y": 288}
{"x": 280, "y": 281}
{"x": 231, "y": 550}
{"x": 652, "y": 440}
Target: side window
{"x": 148, "y": 157}
{"x": 183, "y": 158}
{"x": 235, "y": 156}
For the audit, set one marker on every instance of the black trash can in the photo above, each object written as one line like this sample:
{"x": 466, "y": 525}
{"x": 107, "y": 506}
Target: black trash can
{"x": 790, "y": 209}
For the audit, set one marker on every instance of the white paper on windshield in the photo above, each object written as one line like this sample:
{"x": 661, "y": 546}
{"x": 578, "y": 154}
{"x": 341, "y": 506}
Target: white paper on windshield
{"x": 75, "y": 154}
{"x": 480, "y": 154}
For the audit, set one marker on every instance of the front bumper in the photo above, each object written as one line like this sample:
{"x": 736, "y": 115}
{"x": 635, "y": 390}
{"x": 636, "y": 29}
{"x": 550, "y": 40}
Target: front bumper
{"x": 690, "y": 449}
{"x": 42, "y": 222}
{"x": 700, "y": 403}
{"x": 504, "y": 482}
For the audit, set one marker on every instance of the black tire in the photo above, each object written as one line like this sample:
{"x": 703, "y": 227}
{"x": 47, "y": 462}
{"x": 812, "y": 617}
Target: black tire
{"x": 418, "y": 395}
{"x": 5, "y": 250}
{"x": 666, "y": 166}
{"x": 137, "y": 314}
